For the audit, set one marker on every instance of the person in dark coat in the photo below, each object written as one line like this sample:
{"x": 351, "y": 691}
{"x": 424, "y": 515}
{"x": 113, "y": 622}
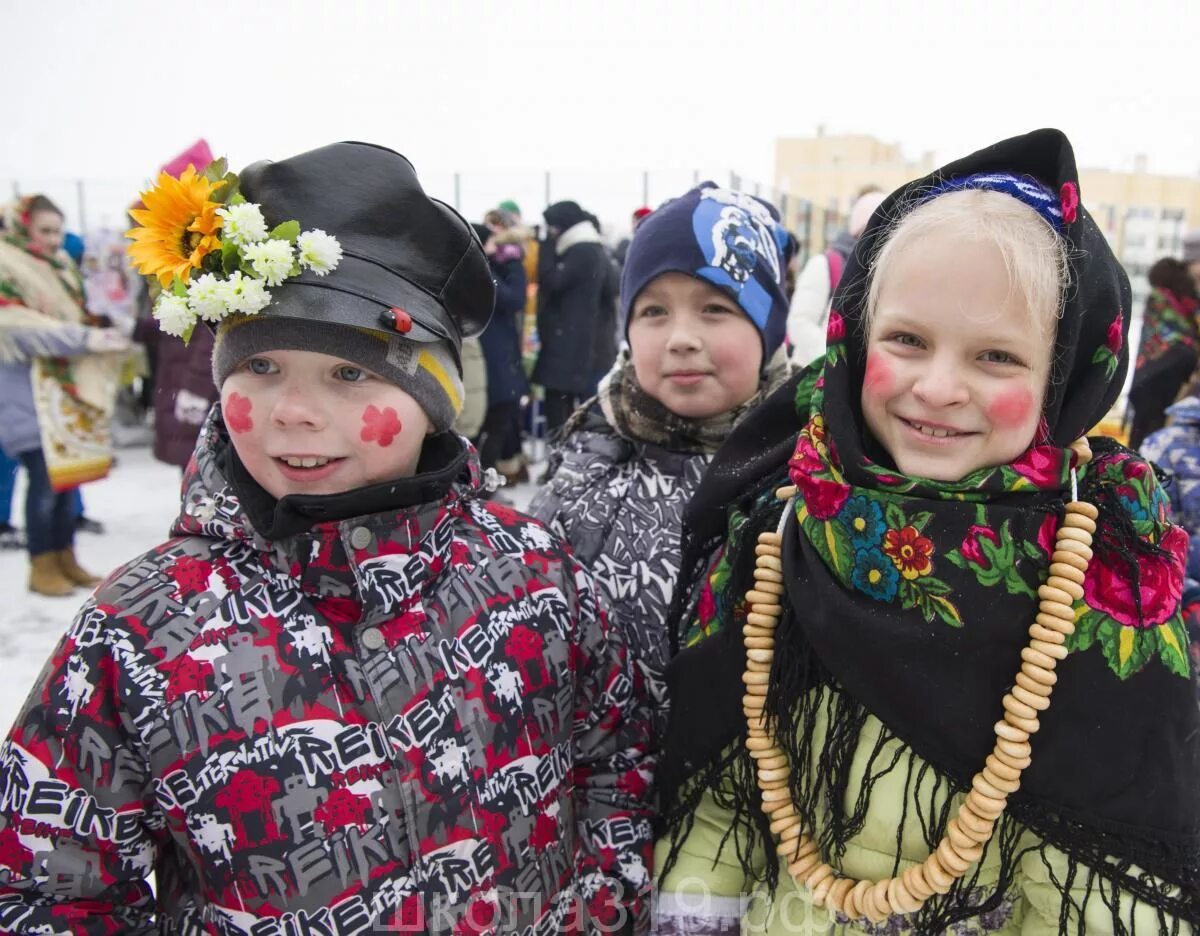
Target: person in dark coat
{"x": 501, "y": 341}
{"x": 1167, "y": 354}
{"x": 183, "y": 389}
{"x": 577, "y": 291}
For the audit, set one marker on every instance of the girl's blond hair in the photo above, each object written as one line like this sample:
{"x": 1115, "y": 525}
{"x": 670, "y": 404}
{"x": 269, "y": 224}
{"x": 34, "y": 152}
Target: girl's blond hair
{"x": 1034, "y": 255}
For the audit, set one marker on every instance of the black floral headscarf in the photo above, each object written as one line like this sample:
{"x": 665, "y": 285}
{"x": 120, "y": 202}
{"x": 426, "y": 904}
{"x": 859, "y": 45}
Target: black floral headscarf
{"x": 910, "y": 600}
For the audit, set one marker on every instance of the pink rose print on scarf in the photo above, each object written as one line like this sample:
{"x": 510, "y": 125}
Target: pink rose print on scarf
{"x": 1041, "y": 464}
{"x": 972, "y": 544}
{"x": 1109, "y": 588}
{"x": 1045, "y": 534}
{"x": 836, "y": 329}
{"x": 1069, "y": 196}
{"x": 822, "y": 496}
{"x": 380, "y": 426}
{"x": 1115, "y": 339}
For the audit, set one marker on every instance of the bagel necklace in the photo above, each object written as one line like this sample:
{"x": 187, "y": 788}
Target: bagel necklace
{"x": 972, "y": 827}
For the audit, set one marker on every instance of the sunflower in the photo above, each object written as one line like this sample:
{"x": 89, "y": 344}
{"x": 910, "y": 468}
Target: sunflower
{"x": 177, "y": 228}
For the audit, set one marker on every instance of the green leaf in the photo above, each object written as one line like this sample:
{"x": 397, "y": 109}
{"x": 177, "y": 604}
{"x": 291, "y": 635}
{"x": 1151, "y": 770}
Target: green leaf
{"x": 231, "y": 258}
{"x": 932, "y": 586}
{"x": 841, "y": 549}
{"x": 237, "y": 199}
{"x": 187, "y": 334}
{"x": 226, "y": 188}
{"x": 919, "y": 520}
{"x": 947, "y": 611}
{"x": 956, "y": 558}
{"x": 1032, "y": 550}
{"x": 288, "y": 231}
{"x": 1085, "y": 632}
{"x": 894, "y": 516}
{"x": 815, "y": 532}
{"x": 1016, "y": 585}
{"x": 179, "y": 288}
{"x": 215, "y": 170}
{"x": 1172, "y": 645}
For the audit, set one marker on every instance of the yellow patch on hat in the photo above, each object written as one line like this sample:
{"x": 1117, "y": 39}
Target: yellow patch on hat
{"x": 433, "y": 366}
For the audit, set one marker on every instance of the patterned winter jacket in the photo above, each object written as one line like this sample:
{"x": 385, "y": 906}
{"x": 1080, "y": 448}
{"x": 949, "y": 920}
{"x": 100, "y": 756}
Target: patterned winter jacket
{"x": 412, "y": 721}
{"x": 620, "y": 505}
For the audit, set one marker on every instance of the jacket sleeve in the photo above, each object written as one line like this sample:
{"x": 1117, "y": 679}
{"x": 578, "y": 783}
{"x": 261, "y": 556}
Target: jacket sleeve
{"x": 29, "y": 340}
{"x": 510, "y": 287}
{"x": 79, "y": 829}
{"x": 613, "y": 771}
{"x": 806, "y": 314}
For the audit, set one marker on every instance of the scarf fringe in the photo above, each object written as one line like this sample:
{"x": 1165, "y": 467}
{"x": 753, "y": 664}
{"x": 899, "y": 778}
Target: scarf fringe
{"x": 801, "y": 691}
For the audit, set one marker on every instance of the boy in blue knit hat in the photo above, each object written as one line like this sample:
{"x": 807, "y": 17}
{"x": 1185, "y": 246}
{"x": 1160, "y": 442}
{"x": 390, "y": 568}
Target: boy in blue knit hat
{"x": 705, "y": 310}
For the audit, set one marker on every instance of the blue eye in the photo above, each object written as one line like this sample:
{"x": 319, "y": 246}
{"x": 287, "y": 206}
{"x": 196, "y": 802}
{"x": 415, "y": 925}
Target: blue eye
{"x": 351, "y": 374}
{"x": 906, "y": 339}
{"x": 261, "y": 366}
{"x": 999, "y": 357}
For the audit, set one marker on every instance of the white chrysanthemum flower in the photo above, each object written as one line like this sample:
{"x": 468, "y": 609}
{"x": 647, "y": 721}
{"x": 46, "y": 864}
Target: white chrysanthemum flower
{"x": 243, "y": 224}
{"x": 174, "y": 316}
{"x": 207, "y": 298}
{"x": 246, "y": 295}
{"x": 272, "y": 260}
{"x": 320, "y": 252}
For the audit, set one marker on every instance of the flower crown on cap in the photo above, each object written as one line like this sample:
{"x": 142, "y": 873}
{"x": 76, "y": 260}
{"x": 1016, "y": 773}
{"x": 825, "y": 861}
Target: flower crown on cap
{"x": 211, "y": 251}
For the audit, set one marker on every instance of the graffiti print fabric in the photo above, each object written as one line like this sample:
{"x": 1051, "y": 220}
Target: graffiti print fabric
{"x": 418, "y": 719}
{"x": 619, "y": 503}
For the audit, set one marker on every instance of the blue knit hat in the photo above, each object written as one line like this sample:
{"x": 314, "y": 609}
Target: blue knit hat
{"x": 734, "y": 241}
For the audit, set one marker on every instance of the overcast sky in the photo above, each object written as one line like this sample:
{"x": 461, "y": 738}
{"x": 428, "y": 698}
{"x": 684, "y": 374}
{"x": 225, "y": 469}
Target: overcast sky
{"x": 107, "y": 90}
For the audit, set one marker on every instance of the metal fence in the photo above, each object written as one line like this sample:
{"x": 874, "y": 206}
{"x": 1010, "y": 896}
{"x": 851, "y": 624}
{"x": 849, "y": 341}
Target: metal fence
{"x": 100, "y": 204}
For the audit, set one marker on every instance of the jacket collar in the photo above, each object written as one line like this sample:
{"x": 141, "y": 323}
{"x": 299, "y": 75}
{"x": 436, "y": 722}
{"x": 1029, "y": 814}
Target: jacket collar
{"x": 582, "y": 233}
{"x": 330, "y": 544}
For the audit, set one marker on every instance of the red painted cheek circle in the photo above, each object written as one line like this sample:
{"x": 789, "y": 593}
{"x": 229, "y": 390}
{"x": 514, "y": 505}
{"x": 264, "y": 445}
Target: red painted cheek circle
{"x": 1011, "y": 408}
{"x": 878, "y": 377}
{"x": 380, "y": 426}
{"x": 236, "y": 410}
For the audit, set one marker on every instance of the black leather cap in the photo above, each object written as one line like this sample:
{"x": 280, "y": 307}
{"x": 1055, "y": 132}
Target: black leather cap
{"x": 401, "y": 249}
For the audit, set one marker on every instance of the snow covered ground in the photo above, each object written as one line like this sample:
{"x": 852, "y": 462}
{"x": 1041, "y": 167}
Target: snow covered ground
{"x": 136, "y": 503}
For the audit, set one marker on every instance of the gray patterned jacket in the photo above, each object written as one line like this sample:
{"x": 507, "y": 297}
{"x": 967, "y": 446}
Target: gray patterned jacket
{"x": 416, "y": 718}
{"x": 620, "y": 504}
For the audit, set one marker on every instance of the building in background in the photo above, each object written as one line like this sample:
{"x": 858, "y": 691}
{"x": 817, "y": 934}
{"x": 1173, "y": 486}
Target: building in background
{"x": 1144, "y": 216}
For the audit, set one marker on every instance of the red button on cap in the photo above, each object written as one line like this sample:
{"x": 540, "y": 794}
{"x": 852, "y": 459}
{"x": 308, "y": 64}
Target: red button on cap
{"x": 402, "y": 321}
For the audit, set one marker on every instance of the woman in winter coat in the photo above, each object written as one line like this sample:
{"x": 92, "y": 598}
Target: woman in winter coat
{"x": 576, "y": 320}
{"x": 501, "y": 340}
{"x": 347, "y": 691}
{"x": 1176, "y": 450}
{"x": 58, "y": 383}
{"x": 1167, "y": 353}
{"x": 702, "y": 296}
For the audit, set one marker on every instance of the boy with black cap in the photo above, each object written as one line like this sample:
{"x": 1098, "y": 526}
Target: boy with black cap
{"x": 349, "y": 695}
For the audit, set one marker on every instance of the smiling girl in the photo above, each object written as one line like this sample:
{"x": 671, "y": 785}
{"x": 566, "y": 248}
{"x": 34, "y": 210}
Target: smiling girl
{"x": 948, "y": 685}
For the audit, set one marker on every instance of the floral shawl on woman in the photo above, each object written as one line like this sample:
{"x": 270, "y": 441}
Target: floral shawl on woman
{"x": 910, "y": 600}
{"x": 73, "y": 397}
